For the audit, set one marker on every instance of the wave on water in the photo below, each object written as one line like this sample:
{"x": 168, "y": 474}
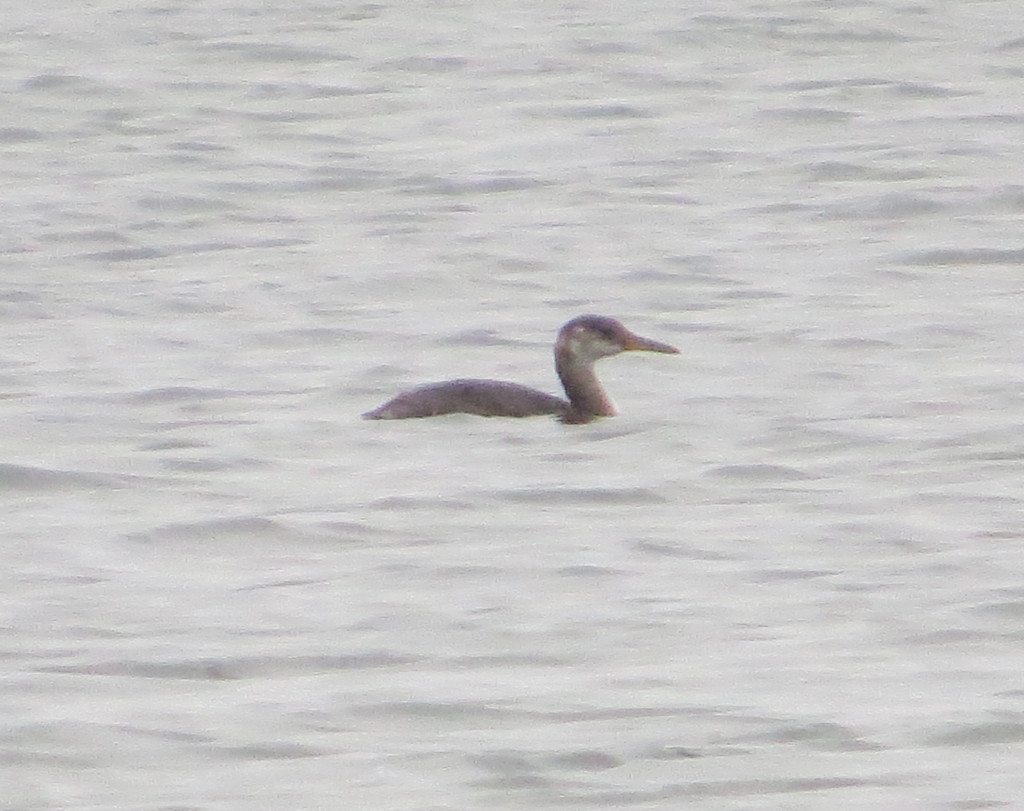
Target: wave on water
{"x": 22, "y": 477}
{"x": 235, "y": 667}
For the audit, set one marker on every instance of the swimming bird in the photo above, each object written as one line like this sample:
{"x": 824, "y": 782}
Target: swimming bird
{"x": 580, "y": 343}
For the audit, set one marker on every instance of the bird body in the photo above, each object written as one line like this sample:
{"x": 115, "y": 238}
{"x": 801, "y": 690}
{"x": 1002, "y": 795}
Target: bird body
{"x": 581, "y": 342}
{"x": 487, "y": 398}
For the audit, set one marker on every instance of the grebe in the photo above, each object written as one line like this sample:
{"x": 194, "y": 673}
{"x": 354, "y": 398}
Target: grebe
{"x": 581, "y": 342}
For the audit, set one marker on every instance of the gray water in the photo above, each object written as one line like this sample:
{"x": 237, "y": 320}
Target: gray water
{"x": 788, "y": 576}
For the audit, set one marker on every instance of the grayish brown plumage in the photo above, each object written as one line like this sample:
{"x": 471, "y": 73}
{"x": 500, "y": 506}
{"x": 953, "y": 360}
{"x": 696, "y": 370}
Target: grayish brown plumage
{"x": 582, "y": 342}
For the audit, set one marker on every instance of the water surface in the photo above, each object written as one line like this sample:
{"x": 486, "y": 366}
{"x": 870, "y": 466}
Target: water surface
{"x": 788, "y": 576}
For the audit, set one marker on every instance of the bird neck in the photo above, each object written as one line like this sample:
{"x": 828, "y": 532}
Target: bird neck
{"x": 587, "y": 397}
